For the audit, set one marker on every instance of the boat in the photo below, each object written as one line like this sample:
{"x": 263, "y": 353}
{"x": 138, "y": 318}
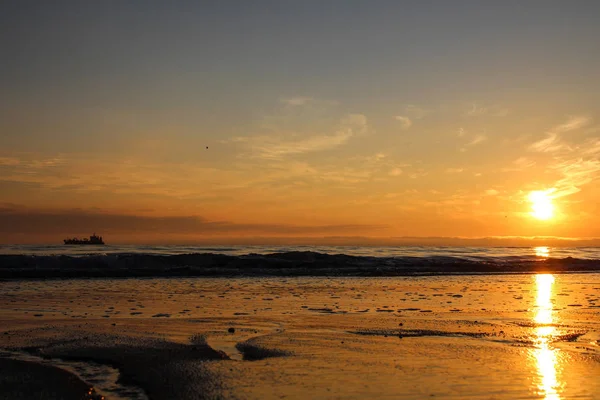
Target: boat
{"x": 91, "y": 240}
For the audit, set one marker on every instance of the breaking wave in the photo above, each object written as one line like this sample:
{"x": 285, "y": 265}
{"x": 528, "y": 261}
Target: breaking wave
{"x": 290, "y": 263}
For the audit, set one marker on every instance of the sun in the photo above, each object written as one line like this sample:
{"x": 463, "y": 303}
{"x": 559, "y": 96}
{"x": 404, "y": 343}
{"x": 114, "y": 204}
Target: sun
{"x": 541, "y": 204}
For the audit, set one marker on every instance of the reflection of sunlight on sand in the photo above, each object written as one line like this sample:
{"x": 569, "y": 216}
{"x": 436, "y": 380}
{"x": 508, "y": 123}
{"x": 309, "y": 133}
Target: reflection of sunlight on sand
{"x": 542, "y": 251}
{"x": 545, "y": 356}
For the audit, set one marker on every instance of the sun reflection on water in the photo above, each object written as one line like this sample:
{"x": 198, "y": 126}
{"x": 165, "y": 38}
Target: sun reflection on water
{"x": 542, "y": 251}
{"x": 546, "y": 357}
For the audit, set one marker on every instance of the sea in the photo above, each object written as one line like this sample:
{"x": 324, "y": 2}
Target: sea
{"x": 485, "y": 254}
{"x": 53, "y": 261}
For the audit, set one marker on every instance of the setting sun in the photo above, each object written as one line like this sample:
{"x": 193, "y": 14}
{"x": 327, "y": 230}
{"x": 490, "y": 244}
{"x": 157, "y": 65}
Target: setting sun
{"x": 541, "y": 204}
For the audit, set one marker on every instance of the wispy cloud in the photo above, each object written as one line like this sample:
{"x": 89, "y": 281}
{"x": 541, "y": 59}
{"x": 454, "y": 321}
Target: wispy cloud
{"x": 415, "y": 112}
{"x": 279, "y": 146}
{"x": 405, "y": 121}
{"x": 572, "y": 124}
{"x": 305, "y": 101}
{"x": 9, "y": 161}
{"x": 519, "y": 164}
{"x": 576, "y": 173}
{"x": 578, "y": 164}
{"x": 550, "y": 144}
{"x": 30, "y": 221}
{"x": 297, "y": 100}
{"x": 364, "y": 168}
{"x": 477, "y": 139}
{"x": 274, "y": 147}
{"x": 476, "y": 110}
{"x": 88, "y": 173}
{"x": 553, "y": 141}
{"x": 592, "y": 147}
{"x": 417, "y": 174}
{"x": 349, "y": 174}
{"x": 31, "y": 161}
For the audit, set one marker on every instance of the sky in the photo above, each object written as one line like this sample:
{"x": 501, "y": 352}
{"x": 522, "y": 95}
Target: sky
{"x": 299, "y": 121}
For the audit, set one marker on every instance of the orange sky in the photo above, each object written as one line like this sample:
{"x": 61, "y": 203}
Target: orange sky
{"x": 227, "y": 125}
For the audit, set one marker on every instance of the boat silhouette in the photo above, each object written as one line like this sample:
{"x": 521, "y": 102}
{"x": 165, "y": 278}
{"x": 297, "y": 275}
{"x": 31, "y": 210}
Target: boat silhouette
{"x": 91, "y": 240}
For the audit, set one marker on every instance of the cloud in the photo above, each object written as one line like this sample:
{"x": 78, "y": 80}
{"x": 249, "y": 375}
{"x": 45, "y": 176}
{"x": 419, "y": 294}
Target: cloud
{"x": 520, "y": 164}
{"x": 572, "y": 124}
{"x": 523, "y": 162}
{"x": 31, "y": 161}
{"x": 358, "y": 121}
{"x": 491, "y": 192}
{"x": 247, "y": 180}
{"x": 475, "y": 110}
{"x": 476, "y": 140}
{"x": 591, "y": 147}
{"x": 273, "y": 148}
{"x": 302, "y": 101}
{"x": 15, "y": 221}
{"x": 416, "y": 112}
{"x": 461, "y": 132}
{"x": 279, "y": 146}
{"x": 550, "y": 144}
{"x": 473, "y": 142}
{"x": 553, "y": 142}
{"x": 492, "y": 111}
{"x": 95, "y": 173}
{"x": 578, "y": 164}
{"x": 9, "y": 161}
{"x": 454, "y": 170}
{"x": 296, "y": 101}
{"x": 576, "y": 173}
{"x": 418, "y": 174}
{"x": 405, "y": 121}
{"x": 360, "y": 169}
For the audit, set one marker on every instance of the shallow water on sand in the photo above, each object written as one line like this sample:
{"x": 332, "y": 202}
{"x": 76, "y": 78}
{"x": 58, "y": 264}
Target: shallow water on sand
{"x": 509, "y": 336}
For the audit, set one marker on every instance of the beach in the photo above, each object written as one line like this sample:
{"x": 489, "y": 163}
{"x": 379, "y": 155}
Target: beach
{"x": 468, "y": 336}
{"x": 263, "y": 200}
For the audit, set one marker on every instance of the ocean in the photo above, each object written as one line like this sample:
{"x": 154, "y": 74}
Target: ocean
{"x": 27, "y": 261}
{"x": 490, "y": 254}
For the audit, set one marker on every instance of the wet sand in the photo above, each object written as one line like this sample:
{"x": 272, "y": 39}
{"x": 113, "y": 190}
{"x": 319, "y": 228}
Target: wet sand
{"x": 30, "y": 380}
{"x": 508, "y": 336}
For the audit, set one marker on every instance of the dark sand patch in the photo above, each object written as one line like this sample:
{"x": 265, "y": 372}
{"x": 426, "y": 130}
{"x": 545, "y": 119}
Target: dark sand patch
{"x": 30, "y": 380}
{"x": 165, "y": 370}
{"x": 416, "y": 333}
{"x": 252, "y": 351}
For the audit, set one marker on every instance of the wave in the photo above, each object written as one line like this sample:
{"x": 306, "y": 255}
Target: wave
{"x": 292, "y": 263}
